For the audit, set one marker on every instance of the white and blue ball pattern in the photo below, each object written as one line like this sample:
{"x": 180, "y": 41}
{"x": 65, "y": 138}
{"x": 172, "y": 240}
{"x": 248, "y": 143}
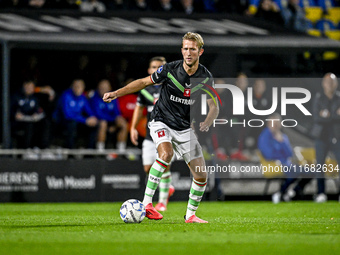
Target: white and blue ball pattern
{"x": 132, "y": 211}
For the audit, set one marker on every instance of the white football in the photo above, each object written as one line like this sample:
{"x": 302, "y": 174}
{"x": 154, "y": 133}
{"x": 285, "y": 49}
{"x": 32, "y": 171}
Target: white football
{"x": 132, "y": 211}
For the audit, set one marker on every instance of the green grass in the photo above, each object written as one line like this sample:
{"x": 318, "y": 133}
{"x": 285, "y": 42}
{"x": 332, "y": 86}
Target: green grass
{"x": 234, "y": 228}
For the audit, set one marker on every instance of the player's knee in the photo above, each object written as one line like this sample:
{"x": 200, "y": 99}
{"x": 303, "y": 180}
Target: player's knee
{"x": 166, "y": 155}
{"x": 201, "y": 178}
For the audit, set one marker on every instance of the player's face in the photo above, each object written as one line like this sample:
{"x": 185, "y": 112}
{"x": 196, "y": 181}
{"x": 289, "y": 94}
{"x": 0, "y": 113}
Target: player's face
{"x": 154, "y": 65}
{"x": 329, "y": 84}
{"x": 191, "y": 52}
{"x": 259, "y": 87}
{"x": 242, "y": 82}
{"x": 78, "y": 87}
{"x": 103, "y": 87}
{"x": 29, "y": 88}
{"x": 274, "y": 125}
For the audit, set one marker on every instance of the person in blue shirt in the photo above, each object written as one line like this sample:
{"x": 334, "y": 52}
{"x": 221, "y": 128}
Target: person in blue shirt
{"x": 75, "y": 114}
{"x": 275, "y": 145}
{"x": 109, "y": 117}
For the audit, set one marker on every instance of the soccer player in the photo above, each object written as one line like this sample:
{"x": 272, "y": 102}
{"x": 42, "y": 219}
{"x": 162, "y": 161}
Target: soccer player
{"x": 147, "y": 98}
{"x": 170, "y": 122}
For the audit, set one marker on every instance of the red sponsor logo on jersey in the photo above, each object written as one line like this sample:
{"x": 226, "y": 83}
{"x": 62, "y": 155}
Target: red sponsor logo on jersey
{"x": 161, "y": 133}
{"x": 186, "y": 92}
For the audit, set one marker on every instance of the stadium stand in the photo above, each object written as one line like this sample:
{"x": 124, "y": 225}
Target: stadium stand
{"x": 333, "y": 14}
{"x": 313, "y": 13}
{"x": 325, "y": 25}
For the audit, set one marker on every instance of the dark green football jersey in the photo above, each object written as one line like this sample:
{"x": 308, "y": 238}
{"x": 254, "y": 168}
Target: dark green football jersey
{"x": 177, "y": 93}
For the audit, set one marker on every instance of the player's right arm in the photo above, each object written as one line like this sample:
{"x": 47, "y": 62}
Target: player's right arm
{"x": 136, "y": 117}
{"x": 132, "y": 87}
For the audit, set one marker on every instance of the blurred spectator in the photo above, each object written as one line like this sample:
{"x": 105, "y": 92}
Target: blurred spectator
{"x": 23, "y": 3}
{"x": 326, "y": 129}
{"x": 63, "y": 4}
{"x": 83, "y": 69}
{"x": 141, "y": 4}
{"x": 166, "y": 5}
{"x": 75, "y": 115}
{"x": 127, "y": 104}
{"x": 294, "y": 16}
{"x": 28, "y": 118}
{"x": 92, "y": 6}
{"x": 275, "y": 145}
{"x": 109, "y": 117}
{"x": 188, "y": 6}
{"x": 270, "y": 12}
{"x": 260, "y": 101}
{"x": 32, "y": 71}
{"x": 242, "y": 83}
{"x": 36, "y": 3}
{"x": 223, "y": 138}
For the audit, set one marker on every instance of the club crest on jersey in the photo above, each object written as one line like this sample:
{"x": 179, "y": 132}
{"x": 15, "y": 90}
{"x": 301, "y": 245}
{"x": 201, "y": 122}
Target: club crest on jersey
{"x": 161, "y": 133}
{"x": 186, "y": 92}
{"x": 160, "y": 69}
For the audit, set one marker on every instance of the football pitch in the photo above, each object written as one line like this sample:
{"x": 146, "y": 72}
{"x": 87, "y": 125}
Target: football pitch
{"x": 234, "y": 228}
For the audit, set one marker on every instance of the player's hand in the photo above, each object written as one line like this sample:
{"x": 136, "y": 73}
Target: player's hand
{"x": 110, "y": 96}
{"x": 91, "y": 121}
{"x": 204, "y": 127}
{"x": 134, "y": 136}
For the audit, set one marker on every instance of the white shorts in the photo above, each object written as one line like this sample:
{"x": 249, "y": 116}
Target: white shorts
{"x": 184, "y": 142}
{"x": 149, "y": 152}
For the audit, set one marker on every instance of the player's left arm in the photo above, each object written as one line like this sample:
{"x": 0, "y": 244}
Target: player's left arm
{"x": 212, "y": 114}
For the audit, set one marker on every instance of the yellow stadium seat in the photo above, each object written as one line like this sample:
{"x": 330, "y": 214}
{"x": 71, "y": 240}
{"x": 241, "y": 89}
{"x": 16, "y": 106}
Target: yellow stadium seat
{"x": 314, "y": 13}
{"x": 333, "y": 14}
{"x": 252, "y": 9}
{"x": 307, "y": 156}
{"x": 333, "y": 34}
{"x": 333, "y": 168}
{"x": 269, "y": 163}
{"x": 330, "y": 55}
{"x": 314, "y": 32}
{"x": 270, "y": 175}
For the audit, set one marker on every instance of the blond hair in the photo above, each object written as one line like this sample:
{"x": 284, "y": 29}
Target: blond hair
{"x": 194, "y": 37}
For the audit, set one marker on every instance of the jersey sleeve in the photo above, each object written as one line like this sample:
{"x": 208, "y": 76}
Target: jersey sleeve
{"x": 160, "y": 74}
